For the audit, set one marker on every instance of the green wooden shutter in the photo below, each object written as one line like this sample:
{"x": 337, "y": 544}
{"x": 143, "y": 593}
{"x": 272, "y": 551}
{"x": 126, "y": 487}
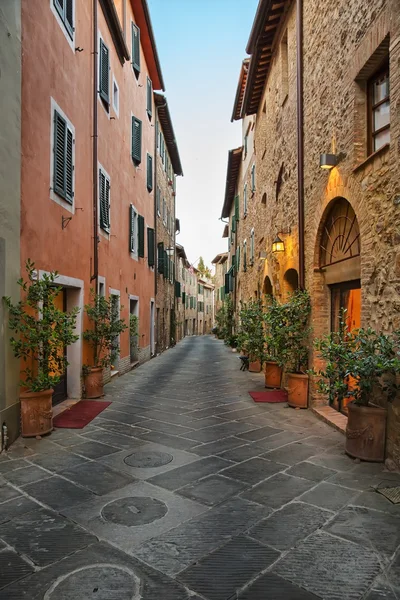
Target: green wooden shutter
{"x": 166, "y": 265}
{"x": 233, "y": 226}
{"x": 150, "y": 246}
{"x": 238, "y": 259}
{"x": 60, "y": 136}
{"x": 226, "y": 283}
{"x": 244, "y": 257}
{"x": 253, "y": 178}
{"x": 149, "y": 172}
{"x": 104, "y": 192}
{"x": 237, "y": 208}
{"x": 136, "y": 140}
{"x": 160, "y": 261}
{"x": 104, "y": 73}
{"x": 233, "y": 261}
{"x": 149, "y": 97}
{"x": 183, "y": 298}
{"x": 136, "y": 48}
{"x": 177, "y": 289}
{"x": 131, "y": 229}
{"x": 69, "y": 168}
{"x": 140, "y": 236}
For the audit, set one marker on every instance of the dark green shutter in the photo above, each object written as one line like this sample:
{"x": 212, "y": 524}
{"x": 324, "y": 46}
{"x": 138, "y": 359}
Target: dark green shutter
{"x": 244, "y": 258}
{"x": 136, "y": 140}
{"x": 136, "y": 47}
{"x": 233, "y": 226}
{"x": 177, "y": 289}
{"x": 149, "y": 97}
{"x": 233, "y": 261}
{"x": 166, "y": 265}
{"x": 183, "y": 297}
{"x": 69, "y": 168}
{"x": 238, "y": 259}
{"x": 104, "y": 193}
{"x": 141, "y": 236}
{"x": 160, "y": 250}
{"x": 253, "y": 178}
{"x": 150, "y": 246}
{"x": 60, "y": 136}
{"x": 104, "y": 73}
{"x": 149, "y": 172}
{"x": 131, "y": 229}
{"x": 237, "y": 208}
{"x": 226, "y": 283}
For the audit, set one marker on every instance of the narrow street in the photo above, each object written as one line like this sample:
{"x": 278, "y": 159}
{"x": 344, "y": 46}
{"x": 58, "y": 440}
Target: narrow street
{"x": 184, "y": 488}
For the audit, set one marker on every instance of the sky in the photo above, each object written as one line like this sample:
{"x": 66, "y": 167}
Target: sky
{"x": 201, "y": 45}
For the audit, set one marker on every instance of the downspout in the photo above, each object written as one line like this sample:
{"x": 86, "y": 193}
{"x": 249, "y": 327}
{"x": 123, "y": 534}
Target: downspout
{"x": 95, "y": 274}
{"x": 300, "y": 139}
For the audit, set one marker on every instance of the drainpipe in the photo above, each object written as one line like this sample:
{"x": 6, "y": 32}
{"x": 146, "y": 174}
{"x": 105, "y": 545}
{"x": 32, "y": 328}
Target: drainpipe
{"x": 300, "y": 139}
{"x": 95, "y": 274}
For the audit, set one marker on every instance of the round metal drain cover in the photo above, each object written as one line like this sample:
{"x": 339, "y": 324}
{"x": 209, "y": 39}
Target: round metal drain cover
{"x": 148, "y": 460}
{"x": 133, "y": 512}
{"x": 97, "y": 582}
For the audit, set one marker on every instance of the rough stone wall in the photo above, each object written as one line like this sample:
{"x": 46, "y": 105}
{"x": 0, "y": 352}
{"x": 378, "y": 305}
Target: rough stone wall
{"x": 165, "y": 232}
{"x": 336, "y": 118}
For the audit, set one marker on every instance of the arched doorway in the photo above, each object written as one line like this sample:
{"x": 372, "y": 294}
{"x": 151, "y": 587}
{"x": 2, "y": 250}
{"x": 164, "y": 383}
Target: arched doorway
{"x": 339, "y": 263}
{"x": 267, "y": 287}
{"x": 290, "y": 282}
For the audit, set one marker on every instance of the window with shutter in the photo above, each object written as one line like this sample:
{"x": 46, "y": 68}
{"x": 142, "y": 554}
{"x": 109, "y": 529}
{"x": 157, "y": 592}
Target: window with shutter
{"x": 233, "y": 227}
{"x": 133, "y": 245}
{"x": 136, "y": 140}
{"x": 164, "y": 211}
{"x": 245, "y": 200}
{"x": 149, "y": 107}
{"x": 226, "y": 283}
{"x": 237, "y": 208}
{"x": 245, "y": 255}
{"x": 238, "y": 259}
{"x": 253, "y": 178}
{"x": 63, "y": 159}
{"x": 166, "y": 265}
{"x": 158, "y": 197}
{"x": 252, "y": 247}
{"x": 104, "y": 200}
{"x": 149, "y": 172}
{"x": 140, "y": 236}
{"x": 183, "y": 297}
{"x": 150, "y": 246}
{"x": 104, "y": 74}
{"x": 136, "y": 48}
{"x": 177, "y": 289}
{"x": 160, "y": 258}
{"x": 65, "y": 10}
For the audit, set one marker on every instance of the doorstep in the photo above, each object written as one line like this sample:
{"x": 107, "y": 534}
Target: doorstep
{"x": 114, "y": 373}
{"x": 331, "y": 416}
{"x": 134, "y": 364}
{"x": 59, "y": 408}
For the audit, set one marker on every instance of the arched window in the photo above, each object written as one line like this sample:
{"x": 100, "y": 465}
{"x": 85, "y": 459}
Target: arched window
{"x": 341, "y": 235}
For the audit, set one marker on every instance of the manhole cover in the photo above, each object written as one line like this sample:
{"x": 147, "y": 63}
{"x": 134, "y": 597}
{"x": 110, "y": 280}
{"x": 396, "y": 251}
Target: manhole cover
{"x": 97, "y": 582}
{"x": 147, "y": 460}
{"x": 133, "y": 512}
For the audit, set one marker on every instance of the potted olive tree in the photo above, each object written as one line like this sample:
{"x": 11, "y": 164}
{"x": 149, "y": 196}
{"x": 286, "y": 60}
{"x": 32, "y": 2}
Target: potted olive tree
{"x": 274, "y": 344}
{"x": 251, "y": 333}
{"x": 42, "y": 332}
{"x": 102, "y": 336}
{"x": 374, "y": 364}
{"x": 294, "y": 352}
{"x": 133, "y": 336}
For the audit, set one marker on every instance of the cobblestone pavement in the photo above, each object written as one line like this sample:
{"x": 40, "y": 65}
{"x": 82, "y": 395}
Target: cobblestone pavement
{"x": 184, "y": 488}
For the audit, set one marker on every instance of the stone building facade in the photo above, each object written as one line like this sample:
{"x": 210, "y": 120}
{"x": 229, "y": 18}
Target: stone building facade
{"x": 168, "y": 167}
{"x": 349, "y": 109}
{"x": 186, "y": 320}
{"x": 205, "y": 304}
{"x": 220, "y": 268}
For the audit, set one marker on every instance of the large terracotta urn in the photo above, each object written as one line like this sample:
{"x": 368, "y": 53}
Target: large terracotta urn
{"x": 273, "y": 374}
{"x": 36, "y": 413}
{"x": 94, "y": 383}
{"x": 297, "y": 389}
{"x": 366, "y": 432}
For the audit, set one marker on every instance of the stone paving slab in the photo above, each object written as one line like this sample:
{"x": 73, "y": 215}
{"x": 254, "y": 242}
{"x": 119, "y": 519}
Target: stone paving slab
{"x": 272, "y": 587}
{"x": 254, "y": 470}
{"x": 162, "y": 458}
{"x": 291, "y": 454}
{"x": 95, "y": 567}
{"x": 310, "y": 471}
{"x": 216, "y": 448}
{"x": 29, "y": 474}
{"x": 278, "y": 490}
{"x": 58, "y": 461}
{"x": 126, "y": 523}
{"x": 329, "y": 496}
{"x": 224, "y": 572}
{"x": 98, "y": 478}
{"x": 181, "y": 476}
{"x": 15, "y": 507}
{"x": 58, "y": 493}
{"x": 7, "y": 492}
{"x": 212, "y": 490}
{"x": 12, "y": 568}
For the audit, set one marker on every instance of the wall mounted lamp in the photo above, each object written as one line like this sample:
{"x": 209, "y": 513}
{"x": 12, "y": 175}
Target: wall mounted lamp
{"x": 170, "y": 251}
{"x": 278, "y": 245}
{"x": 328, "y": 161}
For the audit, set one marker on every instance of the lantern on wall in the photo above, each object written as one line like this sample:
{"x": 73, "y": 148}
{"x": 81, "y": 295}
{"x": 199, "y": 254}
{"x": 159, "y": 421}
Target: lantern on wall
{"x": 278, "y": 245}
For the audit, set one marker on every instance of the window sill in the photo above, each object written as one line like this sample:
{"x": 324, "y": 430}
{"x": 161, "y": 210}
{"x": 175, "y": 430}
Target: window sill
{"x": 371, "y": 158}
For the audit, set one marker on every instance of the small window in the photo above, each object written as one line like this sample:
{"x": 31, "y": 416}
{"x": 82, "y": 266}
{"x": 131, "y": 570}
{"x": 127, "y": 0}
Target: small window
{"x": 104, "y": 200}
{"x": 245, "y": 200}
{"x": 115, "y": 97}
{"x": 378, "y": 88}
{"x": 252, "y": 247}
{"x": 284, "y": 67}
{"x": 253, "y": 178}
{"x": 136, "y": 140}
{"x": 149, "y": 172}
{"x": 136, "y": 48}
{"x": 133, "y": 230}
{"x": 63, "y": 159}
{"x": 149, "y": 106}
{"x": 150, "y": 246}
{"x": 246, "y": 137}
{"x": 104, "y": 75}
{"x": 158, "y": 198}
{"x": 245, "y": 255}
{"x": 164, "y": 212}
{"x": 65, "y": 10}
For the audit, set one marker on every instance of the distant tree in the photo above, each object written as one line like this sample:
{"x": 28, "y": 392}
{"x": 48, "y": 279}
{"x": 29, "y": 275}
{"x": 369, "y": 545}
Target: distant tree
{"x": 205, "y": 271}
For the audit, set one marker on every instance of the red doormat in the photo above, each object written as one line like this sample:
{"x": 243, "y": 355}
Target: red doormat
{"x": 80, "y": 414}
{"x": 269, "y": 396}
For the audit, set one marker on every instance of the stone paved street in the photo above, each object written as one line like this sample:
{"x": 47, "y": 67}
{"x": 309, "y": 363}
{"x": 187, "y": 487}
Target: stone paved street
{"x": 184, "y": 488}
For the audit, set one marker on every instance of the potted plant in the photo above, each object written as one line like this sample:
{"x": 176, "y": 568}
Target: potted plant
{"x": 252, "y": 333}
{"x": 43, "y": 331}
{"x": 294, "y": 352}
{"x": 102, "y": 336}
{"x": 133, "y": 336}
{"x": 374, "y": 364}
{"x": 274, "y": 344}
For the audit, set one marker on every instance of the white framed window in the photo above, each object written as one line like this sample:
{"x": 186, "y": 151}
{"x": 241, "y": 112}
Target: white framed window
{"x": 115, "y": 97}
{"x": 62, "y": 158}
{"x": 104, "y": 202}
{"x": 64, "y": 12}
{"x": 104, "y": 74}
{"x": 245, "y": 255}
{"x": 245, "y": 199}
{"x": 133, "y": 230}
{"x": 164, "y": 211}
{"x": 252, "y": 247}
{"x": 253, "y": 178}
{"x": 158, "y": 197}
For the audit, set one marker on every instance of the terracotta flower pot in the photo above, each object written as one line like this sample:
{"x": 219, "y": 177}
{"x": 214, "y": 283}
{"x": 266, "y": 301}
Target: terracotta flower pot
{"x": 36, "y": 413}
{"x": 273, "y": 374}
{"x": 94, "y": 383}
{"x": 366, "y": 432}
{"x": 254, "y": 366}
{"x": 297, "y": 388}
